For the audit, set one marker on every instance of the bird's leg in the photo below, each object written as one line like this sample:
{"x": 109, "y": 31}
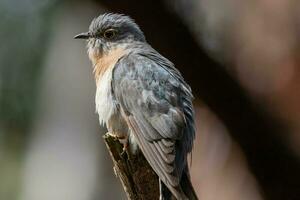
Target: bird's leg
{"x": 125, "y": 141}
{"x": 112, "y": 135}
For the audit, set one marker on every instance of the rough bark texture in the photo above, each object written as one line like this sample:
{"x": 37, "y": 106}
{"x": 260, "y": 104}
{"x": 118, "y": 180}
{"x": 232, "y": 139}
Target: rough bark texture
{"x": 138, "y": 179}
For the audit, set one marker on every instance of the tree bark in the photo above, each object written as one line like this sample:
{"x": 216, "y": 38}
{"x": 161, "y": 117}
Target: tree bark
{"x": 138, "y": 179}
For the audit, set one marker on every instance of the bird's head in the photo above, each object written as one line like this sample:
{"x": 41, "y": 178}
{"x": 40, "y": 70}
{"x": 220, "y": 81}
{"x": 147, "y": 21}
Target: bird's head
{"x": 110, "y": 31}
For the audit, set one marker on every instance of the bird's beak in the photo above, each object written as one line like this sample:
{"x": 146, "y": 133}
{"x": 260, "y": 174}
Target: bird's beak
{"x": 86, "y": 35}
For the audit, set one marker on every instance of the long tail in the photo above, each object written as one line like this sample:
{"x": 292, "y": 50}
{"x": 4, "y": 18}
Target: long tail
{"x": 187, "y": 186}
{"x": 188, "y": 192}
{"x": 165, "y": 193}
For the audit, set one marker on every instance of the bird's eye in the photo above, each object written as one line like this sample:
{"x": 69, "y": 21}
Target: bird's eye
{"x": 110, "y": 33}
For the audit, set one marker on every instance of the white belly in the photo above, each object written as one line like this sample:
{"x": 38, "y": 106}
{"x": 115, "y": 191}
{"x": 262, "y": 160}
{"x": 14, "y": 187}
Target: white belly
{"x": 105, "y": 106}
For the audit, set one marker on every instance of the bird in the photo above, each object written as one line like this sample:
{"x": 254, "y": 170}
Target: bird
{"x": 143, "y": 99}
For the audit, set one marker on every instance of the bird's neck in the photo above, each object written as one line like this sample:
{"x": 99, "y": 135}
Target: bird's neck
{"x": 105, "y": 60}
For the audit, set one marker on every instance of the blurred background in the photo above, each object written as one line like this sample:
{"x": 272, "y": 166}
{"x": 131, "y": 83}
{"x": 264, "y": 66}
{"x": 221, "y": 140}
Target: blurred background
{"x": 241, "y": 58}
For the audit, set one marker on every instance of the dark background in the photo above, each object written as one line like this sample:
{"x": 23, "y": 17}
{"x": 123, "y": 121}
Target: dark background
{"x": 241, "y": 59}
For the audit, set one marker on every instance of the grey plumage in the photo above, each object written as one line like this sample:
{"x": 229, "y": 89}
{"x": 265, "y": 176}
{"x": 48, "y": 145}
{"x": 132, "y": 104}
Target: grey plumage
{"x": 157, "y": 103}
{"x": 151, "y": 99}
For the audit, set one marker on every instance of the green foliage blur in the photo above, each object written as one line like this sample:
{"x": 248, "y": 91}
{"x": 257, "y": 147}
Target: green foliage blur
{"x": 25, "y": 31}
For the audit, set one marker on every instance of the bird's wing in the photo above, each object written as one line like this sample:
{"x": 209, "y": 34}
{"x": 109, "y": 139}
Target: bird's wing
{"x": 150, "y": 100}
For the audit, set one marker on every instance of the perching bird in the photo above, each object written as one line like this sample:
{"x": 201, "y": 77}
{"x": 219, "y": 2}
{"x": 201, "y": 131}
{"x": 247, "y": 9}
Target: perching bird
{"x": 143, "y": 98}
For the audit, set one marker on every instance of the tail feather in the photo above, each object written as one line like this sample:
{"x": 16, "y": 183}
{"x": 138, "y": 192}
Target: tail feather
{"x": 165, "y": 193}
{"x": 184, "y": 192}
{"x": 187, "y": 186}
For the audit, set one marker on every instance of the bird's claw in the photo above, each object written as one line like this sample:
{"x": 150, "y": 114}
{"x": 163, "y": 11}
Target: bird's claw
{"x": 125, "y": 148}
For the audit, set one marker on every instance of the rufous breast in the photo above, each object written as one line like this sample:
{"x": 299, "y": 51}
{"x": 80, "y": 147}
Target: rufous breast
{"x": 103, "y": 61}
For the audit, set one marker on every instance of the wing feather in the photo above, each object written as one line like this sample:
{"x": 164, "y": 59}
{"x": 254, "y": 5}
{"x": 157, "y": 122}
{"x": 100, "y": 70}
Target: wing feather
{"x": 151, "y": 101}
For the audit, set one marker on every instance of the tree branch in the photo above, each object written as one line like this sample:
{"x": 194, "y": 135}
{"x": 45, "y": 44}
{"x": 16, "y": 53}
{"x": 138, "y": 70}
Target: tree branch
{"x": 138, "y": 179}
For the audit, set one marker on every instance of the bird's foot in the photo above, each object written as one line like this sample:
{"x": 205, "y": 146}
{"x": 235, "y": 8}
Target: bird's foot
{"x": 125, "y": 142}
{"x": 112, "y": 135}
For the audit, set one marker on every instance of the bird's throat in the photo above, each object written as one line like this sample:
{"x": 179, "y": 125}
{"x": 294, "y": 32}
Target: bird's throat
{"x": 104, "y": 61}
